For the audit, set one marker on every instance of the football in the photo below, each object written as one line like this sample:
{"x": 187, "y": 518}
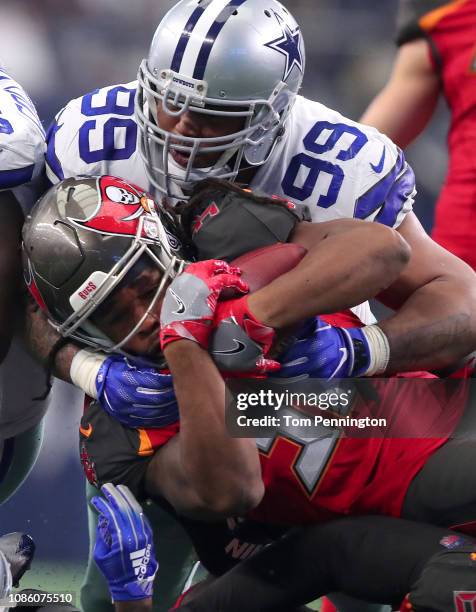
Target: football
{"x": 263, "y": 265}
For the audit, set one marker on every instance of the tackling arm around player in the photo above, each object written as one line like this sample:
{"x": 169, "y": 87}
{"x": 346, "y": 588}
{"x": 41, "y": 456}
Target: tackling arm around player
{"x": 378, "y": 262}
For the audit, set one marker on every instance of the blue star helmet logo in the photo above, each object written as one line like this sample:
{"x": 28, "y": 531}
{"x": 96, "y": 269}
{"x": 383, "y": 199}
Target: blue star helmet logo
{"x": 289, "y": 45}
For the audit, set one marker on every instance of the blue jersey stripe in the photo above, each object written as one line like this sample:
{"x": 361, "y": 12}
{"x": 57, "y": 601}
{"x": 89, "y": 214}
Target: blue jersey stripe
{"x": 185, "y": 37}
{"x": 51, "y": 157}
{"x": 211, "y": 37}
{"x": 386, "y": 194}
{"x": 396, "y": 198}
{"x": 13, "y": 178}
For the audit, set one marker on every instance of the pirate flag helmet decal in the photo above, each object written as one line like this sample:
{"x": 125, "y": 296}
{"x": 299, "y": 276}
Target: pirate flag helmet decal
{"x": 79, "y": 242}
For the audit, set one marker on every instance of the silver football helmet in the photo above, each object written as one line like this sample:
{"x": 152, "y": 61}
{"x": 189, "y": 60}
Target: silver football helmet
{"x": 81, "y": 239}
{"x": 218, "y": 58}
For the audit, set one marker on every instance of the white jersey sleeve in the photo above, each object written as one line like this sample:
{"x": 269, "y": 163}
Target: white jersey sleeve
{"x": 22, "y": 141}
{"x": 338, "y": 168}
{"x": 96, "y": 134}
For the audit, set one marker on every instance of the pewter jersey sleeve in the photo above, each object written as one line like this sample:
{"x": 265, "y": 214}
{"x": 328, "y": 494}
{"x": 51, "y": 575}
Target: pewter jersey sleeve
{"x": 22, "y": 147}
{"x": 96, "y": 134}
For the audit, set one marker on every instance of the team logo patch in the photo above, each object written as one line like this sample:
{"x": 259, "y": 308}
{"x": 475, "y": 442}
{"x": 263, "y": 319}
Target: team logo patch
{"x": 89, "y": 467}
{"x": 452, "y": 541}
{"x": 119, "y": 207}
{"x": 289, "y": 45}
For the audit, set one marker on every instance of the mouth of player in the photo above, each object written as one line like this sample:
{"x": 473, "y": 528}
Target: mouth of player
{"x": 202, "y": 160}
{"x": 180, "y": 158}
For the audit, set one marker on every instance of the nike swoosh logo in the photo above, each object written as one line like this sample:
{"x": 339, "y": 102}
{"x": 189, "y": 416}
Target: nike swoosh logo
{"x": 181, "y": 305}
{"x": 86, "y": 431}
{"x": 379, "y": 167}
{"x": 238, "y": 348}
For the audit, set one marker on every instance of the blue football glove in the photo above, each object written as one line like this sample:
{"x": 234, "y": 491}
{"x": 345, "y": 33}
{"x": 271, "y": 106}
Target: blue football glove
{"x": 124, "y": 545}
{"x": 320, "y": 350}
{"x": 136, "y": 396}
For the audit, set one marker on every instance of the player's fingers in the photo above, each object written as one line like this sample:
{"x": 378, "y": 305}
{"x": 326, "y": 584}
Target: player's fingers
{"x": 136, "y": 512}
{"x": 116, "y": 501}
{"x": 100, "y": 504}
{"x": 129, "y": 498}
{"x": 164, "y": 396}
{"x": 221, "y": 267}
{"x": 267, "y": 365}
{"x": 102, "y": 507}
{"x": 228, "y": 281}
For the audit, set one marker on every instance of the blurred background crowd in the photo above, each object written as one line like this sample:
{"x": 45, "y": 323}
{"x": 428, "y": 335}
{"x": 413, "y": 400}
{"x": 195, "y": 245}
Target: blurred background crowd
{"x": 60, "y": 50}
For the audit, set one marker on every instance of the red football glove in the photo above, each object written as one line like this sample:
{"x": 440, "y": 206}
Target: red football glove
{"x": 190, "y": 301}
{"x": 241, "y": 342}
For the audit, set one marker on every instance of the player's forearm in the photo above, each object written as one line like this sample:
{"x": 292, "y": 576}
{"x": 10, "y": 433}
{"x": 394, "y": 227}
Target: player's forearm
{"x": 224, "y": 471}
{"x": 41, "y": 339}
{"x": 406, "y": 104}
{"x": 434, "y": 328}
{"x": 142, "y": 605}
{"x": 347, "y": 267}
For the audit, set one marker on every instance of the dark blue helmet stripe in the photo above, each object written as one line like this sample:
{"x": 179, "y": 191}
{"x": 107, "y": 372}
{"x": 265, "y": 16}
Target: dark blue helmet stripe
{"x": 185, "y": 37}
{"x": 211, "y": 37}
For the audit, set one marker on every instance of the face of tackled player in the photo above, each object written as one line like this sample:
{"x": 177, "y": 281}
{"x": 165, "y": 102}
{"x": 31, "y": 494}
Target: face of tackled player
{"x": 131, "y": 306}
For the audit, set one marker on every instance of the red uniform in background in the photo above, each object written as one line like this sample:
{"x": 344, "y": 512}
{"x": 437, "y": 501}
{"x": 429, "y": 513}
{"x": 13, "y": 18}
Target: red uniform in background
{"x": 450, "y": 28}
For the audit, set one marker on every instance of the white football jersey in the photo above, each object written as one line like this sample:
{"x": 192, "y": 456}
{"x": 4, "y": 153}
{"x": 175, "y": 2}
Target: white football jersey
{"x": 338, "y": 168}
{"x": 335, "y": 167}
{"x": 22, "y": 148}
{"x": 96, "y": 134}
{"x": 22, "y": 142}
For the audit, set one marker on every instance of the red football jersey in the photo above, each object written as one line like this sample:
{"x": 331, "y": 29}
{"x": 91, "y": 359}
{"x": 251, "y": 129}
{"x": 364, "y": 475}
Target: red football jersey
{"x": 312, "y": 480}
{"x": 451, "y": 30}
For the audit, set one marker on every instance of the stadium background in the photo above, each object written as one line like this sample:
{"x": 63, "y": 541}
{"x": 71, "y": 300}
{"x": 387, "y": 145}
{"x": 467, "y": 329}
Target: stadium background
{"x": 59, "y": 50}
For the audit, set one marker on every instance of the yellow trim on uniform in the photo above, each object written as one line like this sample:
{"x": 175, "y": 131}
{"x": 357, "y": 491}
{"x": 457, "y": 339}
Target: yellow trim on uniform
{"x": 429, "y": 21}
{"x": 145, "y": 447}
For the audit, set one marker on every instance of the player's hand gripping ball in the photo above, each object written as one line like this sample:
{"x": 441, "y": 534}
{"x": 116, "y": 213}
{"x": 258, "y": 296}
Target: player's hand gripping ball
{"x": 191, "y": 299}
